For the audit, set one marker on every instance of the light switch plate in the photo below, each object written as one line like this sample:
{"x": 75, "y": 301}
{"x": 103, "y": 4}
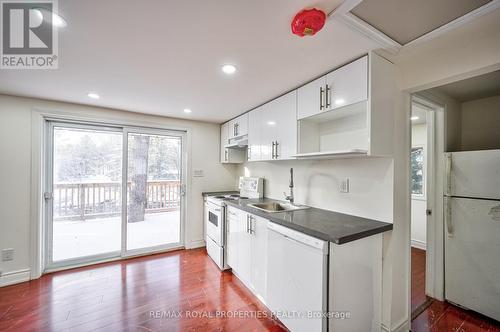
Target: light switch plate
{"x": 7, "y": 254}
{"x": 198, "y": 173}
{"x": 344, "y": 186}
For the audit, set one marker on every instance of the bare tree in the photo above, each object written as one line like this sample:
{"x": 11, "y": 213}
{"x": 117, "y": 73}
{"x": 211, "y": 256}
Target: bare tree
{"x": 138, "y": 158}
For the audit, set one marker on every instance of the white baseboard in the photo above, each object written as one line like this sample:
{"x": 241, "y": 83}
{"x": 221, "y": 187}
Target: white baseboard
{"x": 419, "y": 244}
{"x": 402, "y": 326}
{"x": 196, "y": 244}
{"x": 14, "y": 277}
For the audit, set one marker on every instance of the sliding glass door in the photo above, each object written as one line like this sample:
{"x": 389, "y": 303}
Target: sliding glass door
{"x": 154, "y": 183}
{"x": 89, "y": 168}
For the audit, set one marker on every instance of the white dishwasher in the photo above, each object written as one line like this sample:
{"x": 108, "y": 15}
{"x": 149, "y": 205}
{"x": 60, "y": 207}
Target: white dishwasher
{"x": 297, "y": 278}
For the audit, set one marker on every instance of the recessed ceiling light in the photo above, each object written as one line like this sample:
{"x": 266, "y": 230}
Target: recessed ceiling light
{"x": 229, "y": 69}
{"x": 93, "y": 95}
{"x": 414, "y": 118}
{"x": 187, "y": 110}
{"x": 271, "y": 123}
{"x": 51, "y": 17}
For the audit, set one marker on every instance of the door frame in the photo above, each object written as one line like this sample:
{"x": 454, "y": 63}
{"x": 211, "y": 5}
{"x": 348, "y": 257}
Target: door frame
{"x": 125, "y": 253}
{"x": 434, "y": 277}
{"x": 38, "y": 210}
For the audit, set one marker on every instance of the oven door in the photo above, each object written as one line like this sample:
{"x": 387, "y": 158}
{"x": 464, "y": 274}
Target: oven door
{"x": 214, "y": 223}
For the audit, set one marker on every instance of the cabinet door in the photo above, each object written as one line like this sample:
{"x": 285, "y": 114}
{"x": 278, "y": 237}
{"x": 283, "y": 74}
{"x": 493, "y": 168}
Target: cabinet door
{"x": 254, "y": 134}
{"x": 267, "y": 132}
{"x": 242, "y": 121}
{"x": 259, "y": 257}
{"x": 244, "y": 248}
{"x": 347, "y": 85}
{"x": 311, "y": 98}
{"x": 232, "y": 231}
{"x": 284, "y": 110}
{"x": 239, "y": 126}
{"x": 224, "y": 133}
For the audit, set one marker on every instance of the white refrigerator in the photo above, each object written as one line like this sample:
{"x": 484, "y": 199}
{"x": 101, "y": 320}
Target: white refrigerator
{"x": 472, "y": 230}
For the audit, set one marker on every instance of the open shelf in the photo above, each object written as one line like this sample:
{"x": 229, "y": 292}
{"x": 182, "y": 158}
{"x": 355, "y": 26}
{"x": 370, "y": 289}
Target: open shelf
{"x": 340, "y": 132}
{"x": 332, "y": 154}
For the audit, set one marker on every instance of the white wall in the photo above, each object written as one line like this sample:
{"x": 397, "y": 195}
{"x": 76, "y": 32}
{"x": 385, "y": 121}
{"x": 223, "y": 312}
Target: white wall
{"x": 15, "y": 169}
{"x": 419, "y": 203}
{"x": 317, "y": 184}
{"x": 481, "y": 124}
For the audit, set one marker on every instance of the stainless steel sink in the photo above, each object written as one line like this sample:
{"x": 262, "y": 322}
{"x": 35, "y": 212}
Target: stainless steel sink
{"x": 273, "y": 207}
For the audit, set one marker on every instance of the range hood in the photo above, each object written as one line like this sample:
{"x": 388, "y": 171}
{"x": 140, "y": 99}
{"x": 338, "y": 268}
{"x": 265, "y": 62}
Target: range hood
{"x": 238, "y": 143}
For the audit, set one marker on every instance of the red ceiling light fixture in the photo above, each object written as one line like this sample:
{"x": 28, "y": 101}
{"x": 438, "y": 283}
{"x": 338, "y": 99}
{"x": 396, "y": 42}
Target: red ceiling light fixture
{"x": 308, "y": 22}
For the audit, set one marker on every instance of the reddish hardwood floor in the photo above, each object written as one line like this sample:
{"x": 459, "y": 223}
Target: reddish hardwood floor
{"x": 418, "y": 297}
{"x": 441, "y": 316}
{"x": 134, "y": 295}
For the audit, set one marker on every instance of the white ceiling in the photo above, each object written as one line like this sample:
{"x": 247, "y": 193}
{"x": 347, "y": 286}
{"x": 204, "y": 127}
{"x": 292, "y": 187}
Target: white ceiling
{"x": 159, "y": 57}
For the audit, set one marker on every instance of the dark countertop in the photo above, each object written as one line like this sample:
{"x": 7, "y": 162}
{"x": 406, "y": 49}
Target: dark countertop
{"x": 216, "y": 193}
{"x": 327, "y": 225}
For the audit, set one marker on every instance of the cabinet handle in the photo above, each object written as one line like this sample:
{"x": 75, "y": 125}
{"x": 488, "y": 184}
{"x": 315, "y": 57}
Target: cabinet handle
{"x": 321, "y": 91}
{"x": 276, "y": 147}
{"x": 236, "y": 129}
{"x": 272, "y": 151}
{"x": 248, "y": 224}
{"x": 327, "y": 97}
{"x": 225, "y": 155}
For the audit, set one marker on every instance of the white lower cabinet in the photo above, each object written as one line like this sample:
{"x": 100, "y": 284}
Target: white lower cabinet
{"x": 297, "y": 277}
{"x": 355, "y": 286}
{"x": 247, "y": 249}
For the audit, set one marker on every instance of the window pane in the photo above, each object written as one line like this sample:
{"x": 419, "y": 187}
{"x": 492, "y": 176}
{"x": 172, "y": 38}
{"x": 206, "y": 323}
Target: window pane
{"x": 154, "y": 182}
{"x": 417, "y": 171}
{"x": 87, "y": 192}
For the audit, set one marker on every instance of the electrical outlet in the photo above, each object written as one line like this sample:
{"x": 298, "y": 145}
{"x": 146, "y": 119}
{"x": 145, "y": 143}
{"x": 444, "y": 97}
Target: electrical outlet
{"x": 344, "y": 186}
{"x": 7, "y": 255}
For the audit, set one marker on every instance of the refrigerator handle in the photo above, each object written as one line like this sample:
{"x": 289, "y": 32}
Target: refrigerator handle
{"x": 447, "y": 216}
{"x": 448, "y": 165}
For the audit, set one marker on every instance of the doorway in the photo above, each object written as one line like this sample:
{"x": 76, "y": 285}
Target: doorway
{"x": 111, "y": 192}
{"x": 422, "y": 170}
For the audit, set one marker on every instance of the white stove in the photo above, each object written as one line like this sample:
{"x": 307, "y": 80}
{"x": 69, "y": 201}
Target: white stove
{"x": 215, "y": 217}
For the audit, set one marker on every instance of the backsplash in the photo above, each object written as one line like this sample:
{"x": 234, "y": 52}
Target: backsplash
{"x": 317, "y": 183}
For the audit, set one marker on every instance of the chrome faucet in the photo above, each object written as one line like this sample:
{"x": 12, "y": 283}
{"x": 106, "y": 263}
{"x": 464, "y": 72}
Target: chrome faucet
{"x": 290, "y": 197}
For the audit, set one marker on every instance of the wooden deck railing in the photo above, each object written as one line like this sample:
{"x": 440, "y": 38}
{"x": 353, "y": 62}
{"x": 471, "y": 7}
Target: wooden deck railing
{"x": 78, "y": 201}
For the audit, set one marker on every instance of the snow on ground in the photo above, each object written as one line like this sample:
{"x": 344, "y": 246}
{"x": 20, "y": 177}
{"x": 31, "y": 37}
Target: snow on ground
{"x": 74, "y": 239}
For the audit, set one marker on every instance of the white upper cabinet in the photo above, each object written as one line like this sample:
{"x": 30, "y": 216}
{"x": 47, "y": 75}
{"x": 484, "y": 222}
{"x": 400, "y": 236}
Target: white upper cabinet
{"x": 311, "y": 98}
{"x": 349, "y": 111}
{"x": 238, "y": 127}
{"x": 254, "y": 134}
{"x": 357, "y": 120}
{"x": 229, "y": 156}
{"x": 347, "y": 85}
{"x": 224, "y": 138}
{"x": 277, "y": 123}
{"x": 282, "y": 125}
{"x": 342, "y": 87}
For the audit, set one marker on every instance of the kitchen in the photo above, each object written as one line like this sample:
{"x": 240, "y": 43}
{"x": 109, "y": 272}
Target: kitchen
{"x": 276, "y": 185}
